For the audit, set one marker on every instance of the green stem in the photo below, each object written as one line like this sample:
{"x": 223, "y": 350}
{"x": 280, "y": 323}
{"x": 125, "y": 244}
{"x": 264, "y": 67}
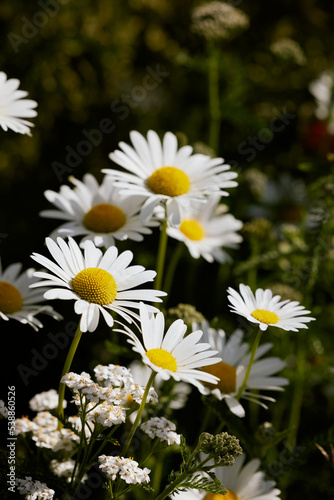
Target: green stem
{"x": 161, "y": 254}
{"x": 169, "y": 489}
{"x": 158, "y": 469}
{"x": 139, "y": 414}
{"x": 66, "y": 369}
{"x": 214, "y": 99}
{"x": 250, "y": 363}
{"x": 206, "y": 419}
{"x": 297, "y": 397}
{"x": 180, "y": 479}
{"x": 172, "y": 267}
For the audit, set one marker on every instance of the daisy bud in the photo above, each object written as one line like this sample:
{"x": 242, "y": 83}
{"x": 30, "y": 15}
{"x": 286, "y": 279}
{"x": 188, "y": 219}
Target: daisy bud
{"x": 265, "y": 433}
{"x": 186, "y": 312}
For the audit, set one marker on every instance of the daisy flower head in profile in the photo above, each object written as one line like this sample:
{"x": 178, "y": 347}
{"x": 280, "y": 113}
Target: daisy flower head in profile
{"x": 161, "y": 172}
{"x": 13, "y": 108}
{"x": 99, "y": 283}
{"x": 205, "y": 231}
{"x": 243, "y": 481}
{"x": 235, "y": 355}
{"x": 18, "y": 301}
{"x": 97, "y": 212}
{"x": 267, "y": 310}
{"x": 172, "y": 354}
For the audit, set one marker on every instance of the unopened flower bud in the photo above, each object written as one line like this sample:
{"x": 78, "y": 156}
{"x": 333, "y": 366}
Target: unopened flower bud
{"x": 223, "y": 447}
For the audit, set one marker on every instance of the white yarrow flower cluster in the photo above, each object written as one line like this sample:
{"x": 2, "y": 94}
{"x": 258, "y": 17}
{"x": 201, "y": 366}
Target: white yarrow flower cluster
{"x": 126, "y": 468}
{"x": 112, "y": 375}
{"x": 47, "y": 400}
{"x": 322, "y": 90}
{"x": 218, "y": 20}
{"x": 64, "y": 469}
{"x": 162, "y": 428}
{"x": 34, "y": 490}
{"x": 119, "y": 395}
{"x": 286, "y": 48}
{"x": 84, "y": 384}
{"x": 3, "y": 409}
{"x": 24, "y": 425}
{"x": 45, "y": 432}
{"x": 106, "y": 414}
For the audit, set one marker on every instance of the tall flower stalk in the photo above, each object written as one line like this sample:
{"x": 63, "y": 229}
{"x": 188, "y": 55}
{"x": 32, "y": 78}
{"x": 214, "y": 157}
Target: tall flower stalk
{"x": 139, "y": 414}
{"x": 214, "y": 97}
{"x": 66, "y": 369}
{"x": 162, "y": 249}
{"x": 250, "y": 363}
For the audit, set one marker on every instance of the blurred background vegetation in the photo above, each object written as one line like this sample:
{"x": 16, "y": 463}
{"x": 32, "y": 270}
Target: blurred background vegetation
{"x": 87, "y": 61}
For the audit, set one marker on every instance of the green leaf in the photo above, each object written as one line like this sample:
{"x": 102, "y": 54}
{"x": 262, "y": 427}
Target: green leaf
{"x": 210, "y": 484}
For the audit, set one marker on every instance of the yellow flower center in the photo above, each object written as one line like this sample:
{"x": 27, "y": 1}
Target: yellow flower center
{"x": 227, "y": 375}
{"x": 104, "y": 218}
{"x": 170, "y": 181}
{"x": 95, "y": 285}
{"x": 229, "y": 496}
{"x": 162, "y": 358}
{"x": 10, "y": 298}
{"x": 192, "y": 229}
{"x": 268, "y": 317}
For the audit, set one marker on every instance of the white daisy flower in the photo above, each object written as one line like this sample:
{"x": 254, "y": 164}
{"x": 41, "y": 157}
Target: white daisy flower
{"x": 172, "y": 355}
{"x": 243, "y": 482}
{"x": 99, "y": 212}
{"x": 205, "y": 232}
{"x": 231, "y": 369}
{"x": 18, "y": 301}
{"x": 162, "y": 172}
{"x": 266, "y": 310}
{"x": 98, "y": 282}
{"x": 178, "y": 394}
{"x": 13, "y": 108}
